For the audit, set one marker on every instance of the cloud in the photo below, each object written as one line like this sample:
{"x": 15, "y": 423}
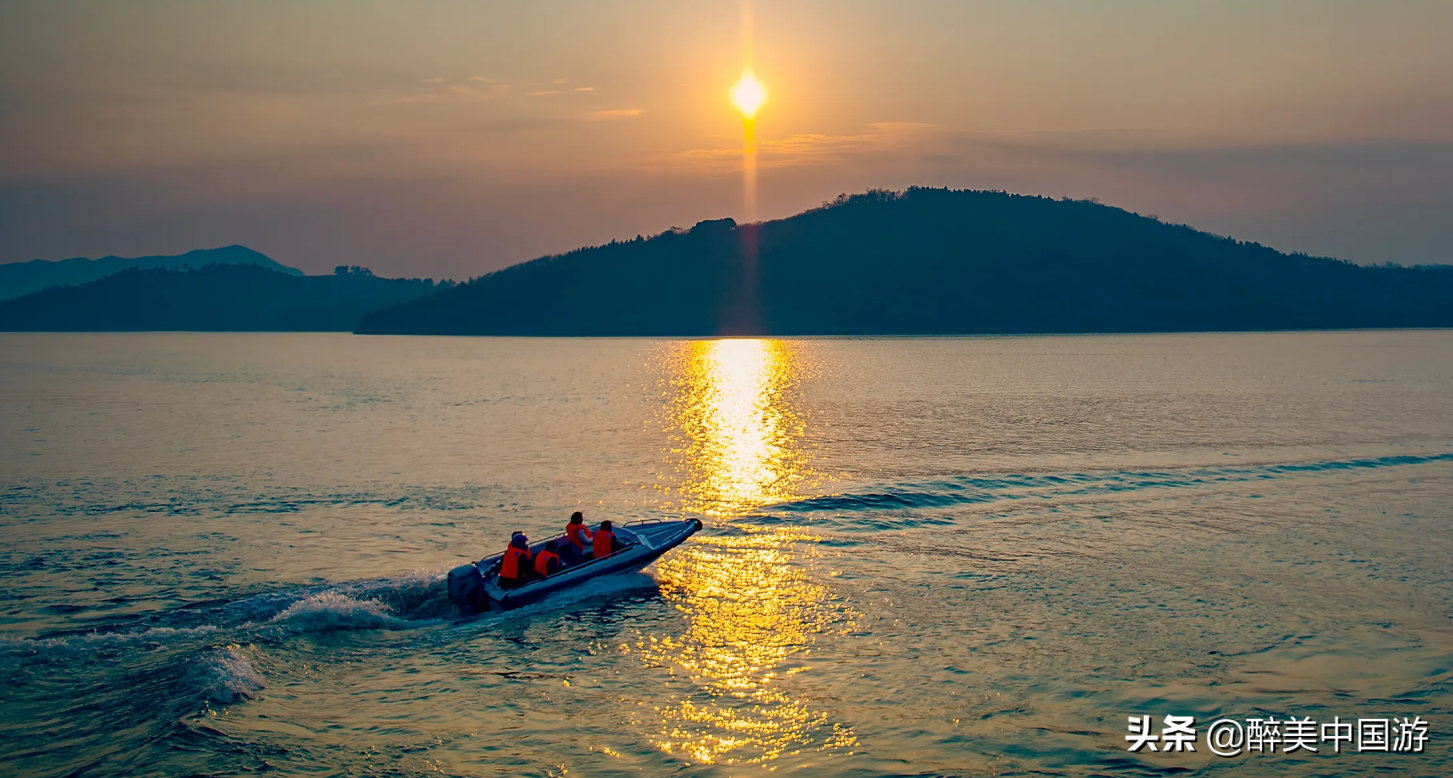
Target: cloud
{"x": 543, "y": 93}
{"x": 486, "y": 91}
{"x": 558, "y": 81}
{"x": 799, "y": 150}
{"x": 615, "y": 114}
{"x": 474, "y": 88}
{"x": 585, "y": 89}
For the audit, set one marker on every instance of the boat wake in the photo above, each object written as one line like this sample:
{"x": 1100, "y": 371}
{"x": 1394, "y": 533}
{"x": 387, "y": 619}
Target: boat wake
{"x": 209, "y": 653}
{"x": 883, "y": 508}
{"x": 211, "y": 650}
{"x": 226, "y": 676}
{"x": 412, "y": 601}
{"x": 337, "y": 611}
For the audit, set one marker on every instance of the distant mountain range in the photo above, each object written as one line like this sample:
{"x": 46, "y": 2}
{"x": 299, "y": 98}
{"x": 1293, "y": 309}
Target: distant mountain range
{"x": 236, "y": 298}
{"x": 919, "y": 262}
{"x": 928, "y": 261}
{"x": 18, "y": 279}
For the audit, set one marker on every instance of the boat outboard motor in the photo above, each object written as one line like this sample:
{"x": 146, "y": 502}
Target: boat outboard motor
{"x": 466, "y": 589}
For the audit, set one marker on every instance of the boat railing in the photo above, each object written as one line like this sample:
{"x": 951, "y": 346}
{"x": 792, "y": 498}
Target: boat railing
{"x": 639, "y": 522}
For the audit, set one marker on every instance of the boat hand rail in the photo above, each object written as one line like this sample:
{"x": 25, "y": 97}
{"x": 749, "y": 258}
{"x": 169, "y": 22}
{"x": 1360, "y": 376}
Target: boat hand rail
{"x": 657, "y": 521}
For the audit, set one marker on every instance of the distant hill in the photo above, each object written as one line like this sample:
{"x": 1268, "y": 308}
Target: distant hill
{"x": 231, "y": 298}
{"x": 929, "y": 261}
{"x": 18, "y": 279}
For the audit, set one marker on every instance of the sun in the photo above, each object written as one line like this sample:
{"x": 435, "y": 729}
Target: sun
{"x": 749, "y": 94}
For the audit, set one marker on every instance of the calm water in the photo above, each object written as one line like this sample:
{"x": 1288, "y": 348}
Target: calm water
{"x": 223, "y": 554}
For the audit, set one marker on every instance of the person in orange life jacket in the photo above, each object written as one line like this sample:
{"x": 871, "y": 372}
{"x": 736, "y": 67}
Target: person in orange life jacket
{"x": 518, "y": 564}
{"x": 579, "y": 537}
{"x": 605, "y": 541}
{"x": 547, "y": 563}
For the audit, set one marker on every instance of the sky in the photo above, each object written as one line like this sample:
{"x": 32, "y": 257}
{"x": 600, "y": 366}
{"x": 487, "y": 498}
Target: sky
{"x": 444, "y": 138}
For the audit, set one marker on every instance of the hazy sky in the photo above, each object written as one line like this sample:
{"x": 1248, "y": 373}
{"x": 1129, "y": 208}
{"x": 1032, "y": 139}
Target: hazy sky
{"x": 441, "y": 138}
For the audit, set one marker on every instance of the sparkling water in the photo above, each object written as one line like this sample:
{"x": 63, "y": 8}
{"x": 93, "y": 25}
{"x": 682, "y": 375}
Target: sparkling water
{"x": 225, "y": 553}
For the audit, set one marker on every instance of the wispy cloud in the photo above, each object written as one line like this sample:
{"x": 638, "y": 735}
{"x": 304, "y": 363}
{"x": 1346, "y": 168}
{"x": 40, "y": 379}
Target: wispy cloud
{"x": 544, "y": 93}
{"x": 799, "y": 150}
{"x": 438, "y": 90}
{"x": 615, "y": 114}
{"x": 585, "y": 89}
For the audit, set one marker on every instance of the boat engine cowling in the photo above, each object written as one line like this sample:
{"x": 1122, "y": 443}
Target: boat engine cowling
{"x": 466, "y": 590}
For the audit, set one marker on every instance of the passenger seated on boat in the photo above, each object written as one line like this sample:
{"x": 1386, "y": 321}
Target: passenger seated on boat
{"x": 604, "y": 542}
{"x": 579, "y": 536}
{"x": 547, "y": 562}
{"x": 570, "y": 556}
{"x": 517, "y": 566}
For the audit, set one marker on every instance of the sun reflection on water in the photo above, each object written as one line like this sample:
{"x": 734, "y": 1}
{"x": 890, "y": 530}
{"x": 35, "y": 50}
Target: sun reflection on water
{"x": 737, "y": 689}
{"x": 736, "y": 437}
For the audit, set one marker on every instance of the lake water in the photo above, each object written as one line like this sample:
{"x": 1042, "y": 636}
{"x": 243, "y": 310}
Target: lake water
{"x": 224, "y": 554}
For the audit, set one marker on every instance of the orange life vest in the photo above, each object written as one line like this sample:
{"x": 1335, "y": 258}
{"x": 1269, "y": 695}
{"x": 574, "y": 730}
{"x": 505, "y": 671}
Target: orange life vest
{"x": 603, "y": 538}
{"x": 542, "y": 562}
{"x": 510, "y": 567}
{"x": 578, "y": 534}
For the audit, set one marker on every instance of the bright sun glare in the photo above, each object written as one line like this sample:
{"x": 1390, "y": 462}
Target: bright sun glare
{"x": 749, "y": 95}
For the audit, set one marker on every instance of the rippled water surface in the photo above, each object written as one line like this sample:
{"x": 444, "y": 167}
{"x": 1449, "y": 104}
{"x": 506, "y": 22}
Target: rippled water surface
{"x": 224, "y": 554}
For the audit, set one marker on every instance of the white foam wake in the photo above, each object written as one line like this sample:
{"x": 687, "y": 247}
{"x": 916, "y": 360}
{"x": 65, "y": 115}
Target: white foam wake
{"x": 226, "y": 676}
{"x": 333, "y": 610}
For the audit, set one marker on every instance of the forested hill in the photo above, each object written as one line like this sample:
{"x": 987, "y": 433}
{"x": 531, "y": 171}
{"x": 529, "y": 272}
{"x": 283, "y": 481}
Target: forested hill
{"x": 929, "y": 261}
{"x": 234, "y": 298}
{"x": 18, "y": 279}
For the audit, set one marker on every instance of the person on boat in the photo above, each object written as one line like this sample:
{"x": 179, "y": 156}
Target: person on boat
{"x": 579, "y": 536}
{"x": 576, "y": 547}
{"x": 518, "y": 564}
{"x": 547, "y": 562}
{"x": 604, "y": 542}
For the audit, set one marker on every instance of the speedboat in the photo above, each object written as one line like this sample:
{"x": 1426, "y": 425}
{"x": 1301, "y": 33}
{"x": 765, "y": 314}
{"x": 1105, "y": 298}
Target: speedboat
{"x": 475, "y": 587}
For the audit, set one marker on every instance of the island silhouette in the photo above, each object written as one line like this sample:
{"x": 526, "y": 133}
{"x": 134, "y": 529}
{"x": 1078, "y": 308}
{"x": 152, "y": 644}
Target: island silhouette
{"x": 214, "y": 298}
{"x": 18, "y": 279}
{"x": 928, "y": 262}
{"x": 915, "y": 262}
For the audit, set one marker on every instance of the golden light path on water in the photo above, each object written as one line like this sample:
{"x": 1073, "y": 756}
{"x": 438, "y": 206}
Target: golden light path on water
{"x": 738, "y": 439}
{"x": 753, "y": 611}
